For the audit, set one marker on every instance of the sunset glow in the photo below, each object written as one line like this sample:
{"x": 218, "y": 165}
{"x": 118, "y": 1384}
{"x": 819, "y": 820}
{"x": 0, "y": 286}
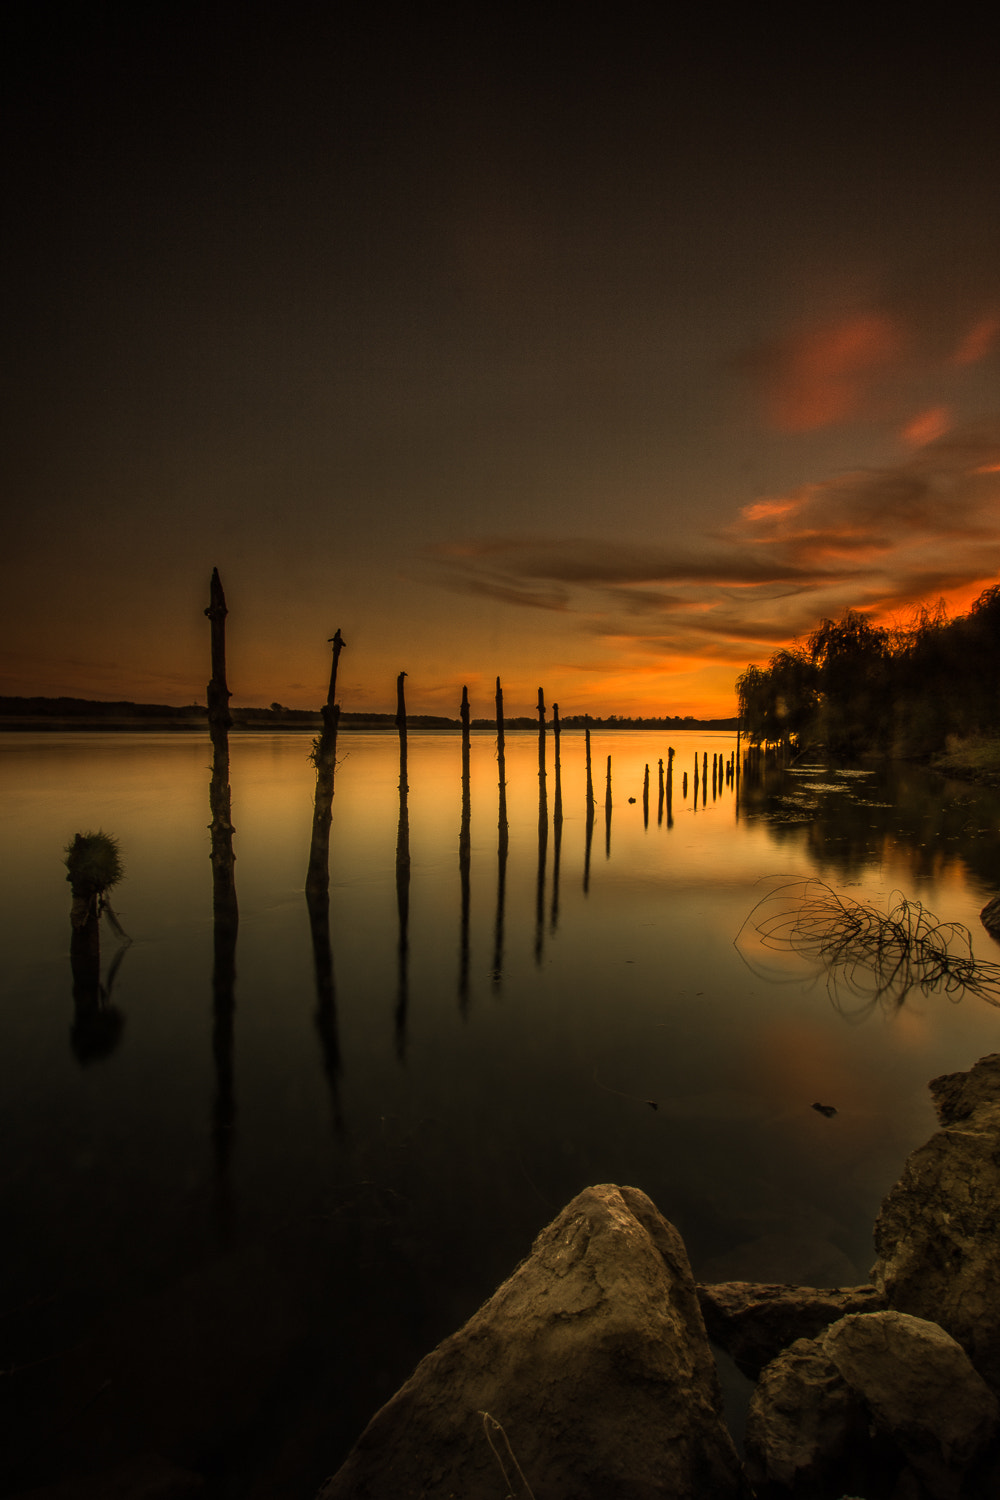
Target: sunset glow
{"x": 503, "y": 360}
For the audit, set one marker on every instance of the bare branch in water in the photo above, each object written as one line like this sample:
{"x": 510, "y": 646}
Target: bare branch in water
{"x": 875, "y": 956}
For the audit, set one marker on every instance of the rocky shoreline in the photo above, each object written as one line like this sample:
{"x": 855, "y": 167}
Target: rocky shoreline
{"x": 588, "y": 1375}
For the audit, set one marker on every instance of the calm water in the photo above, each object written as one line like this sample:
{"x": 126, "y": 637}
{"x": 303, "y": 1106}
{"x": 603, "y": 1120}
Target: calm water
{"x": 230, "y": 1237}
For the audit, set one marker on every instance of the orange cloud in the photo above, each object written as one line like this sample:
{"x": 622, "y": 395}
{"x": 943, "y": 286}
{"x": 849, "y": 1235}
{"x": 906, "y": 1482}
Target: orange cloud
{"x": 978, "y": 342}
{"x": 819, "y": 376}
{"x": 927, "y": 426}
{"x": 766, "y": 510}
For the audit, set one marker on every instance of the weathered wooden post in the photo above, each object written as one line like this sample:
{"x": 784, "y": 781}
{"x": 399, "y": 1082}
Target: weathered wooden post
{"x": 502, "y": 773}
{"x": 324, "y": 758}
{"x": 543, "y": 832}
{"x": 557, "y": 812}
{"x": 590, "y": 778}
{"x": 465, "y": 857}
{"x": 659, "y": 796}
{"x": 645, "y": 797}
{"x": 607, "y": 814}
{"x": 670, "y": 786}
{"x": 225, "y": 910}
{"x": 542, "y": 796}
{"x": 219, "y": 797}
{"x": 403, "y": 838}
{"x": 402, "y": 877}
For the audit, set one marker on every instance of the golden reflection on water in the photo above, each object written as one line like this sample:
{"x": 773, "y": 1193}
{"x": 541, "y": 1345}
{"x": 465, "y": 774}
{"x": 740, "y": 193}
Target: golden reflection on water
{"x": 525, "y": 1002}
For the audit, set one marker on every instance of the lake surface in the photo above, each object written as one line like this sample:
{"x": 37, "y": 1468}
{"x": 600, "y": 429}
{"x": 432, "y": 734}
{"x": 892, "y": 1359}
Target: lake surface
{"x": 239, "y": 1208}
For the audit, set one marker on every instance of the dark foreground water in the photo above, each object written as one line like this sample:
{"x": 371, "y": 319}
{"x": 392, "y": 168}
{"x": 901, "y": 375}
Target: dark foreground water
{"x": 239, "y": 1208}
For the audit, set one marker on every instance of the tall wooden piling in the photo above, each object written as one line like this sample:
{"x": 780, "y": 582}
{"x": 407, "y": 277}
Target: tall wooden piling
{"x": 590, "y": 776}
{"x": 324, "y": 758}
{"x": 670, "y": 786}
{"x": 659, "y": 796}
{"x": 542, "y": 795}
{"x": 557, "y": 812}
{"x": 465, "y": 858}
{"x": 402, "y": 877}
{"x": 645, "y": 797}
{"x": 220, "y": 796}
{"x": 403, "y": 838}
{"x": 607, "y": 814}
{"x": 502, "y": 775}
{"x": 225, "y": 911}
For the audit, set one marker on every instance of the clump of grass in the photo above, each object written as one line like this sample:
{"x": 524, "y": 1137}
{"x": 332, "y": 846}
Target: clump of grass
{"x": 879, "y": 956}
{"x": 94, "y": 863}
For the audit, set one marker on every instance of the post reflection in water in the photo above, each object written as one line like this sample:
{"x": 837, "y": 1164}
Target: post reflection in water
{"x": 318, "y": 904}
{"x": 428, "y": 1203}
{"x": 97, "y": 1024}
{"x": 497, "y": 969}
{"x": 543, "y": 835}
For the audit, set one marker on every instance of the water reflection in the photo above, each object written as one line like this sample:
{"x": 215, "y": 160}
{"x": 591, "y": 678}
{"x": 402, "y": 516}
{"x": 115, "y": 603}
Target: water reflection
{"x": 97, "y": 1024}
{"x": 318, "y": 904}
{"x": 496, "y": 1119}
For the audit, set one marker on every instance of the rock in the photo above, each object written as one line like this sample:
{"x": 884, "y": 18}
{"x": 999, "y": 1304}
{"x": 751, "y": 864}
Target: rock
{"x": 880, "y": 1400}
{"x": 586, "y": 1376}
{"x": 806, "y": 1429}
{"x": 755, "y": 1321}
{"x": 990, "y": 917}
{"x": 937, "y": 1236}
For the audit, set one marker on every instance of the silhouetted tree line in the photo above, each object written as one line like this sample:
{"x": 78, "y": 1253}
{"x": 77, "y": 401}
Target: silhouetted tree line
{"x": 856, "y": 686}
{"x": 306, "y": 718}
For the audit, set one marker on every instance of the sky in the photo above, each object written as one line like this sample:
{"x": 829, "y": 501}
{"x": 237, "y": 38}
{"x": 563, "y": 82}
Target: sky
{"x": 601, "y": 355}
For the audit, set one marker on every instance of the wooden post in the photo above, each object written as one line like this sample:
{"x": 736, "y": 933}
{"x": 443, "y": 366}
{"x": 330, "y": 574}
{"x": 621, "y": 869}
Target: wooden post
{"x": 225, "y": 910}
{"x": 403, "y": 837}
{"x": 645, "y": 797}
{"x": 219, "y": 796}
{"x": 465, "y": 858}
{"x": 590, "y": 778}
{"x": 607, "y": 814}
{"x": 502, "y": 773}
{"x": 466, "y": 737}
{"x": 542, "y": 798}
{"x": 324, "y": 758}
{"x": 557, "y": 812}
{"x": 670, "y": 786}
{"x": 659, "y": 797}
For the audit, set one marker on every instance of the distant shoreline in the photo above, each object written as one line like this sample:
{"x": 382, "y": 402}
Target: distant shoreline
{"x": 21, "y": 715}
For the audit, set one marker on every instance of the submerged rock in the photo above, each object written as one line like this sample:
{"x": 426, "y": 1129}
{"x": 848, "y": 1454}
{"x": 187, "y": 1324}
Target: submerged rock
{"x": 586, "y": 1376}
{"x": 937, "y": 1236}
{"x": 754, "y": 1321}
{"x": 881, "y": 1402}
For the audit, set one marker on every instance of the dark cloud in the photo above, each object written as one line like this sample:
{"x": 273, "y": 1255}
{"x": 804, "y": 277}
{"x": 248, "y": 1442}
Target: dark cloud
{"x": 883, "y": 540}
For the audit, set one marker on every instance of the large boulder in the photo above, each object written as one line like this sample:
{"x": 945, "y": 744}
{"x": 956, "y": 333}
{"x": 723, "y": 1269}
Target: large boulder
{"x": 754, "y": 1321}
{"x": 879, "y": 1402}
{"x": 586, "y": 1376}
{"x": 937, "y": 1237}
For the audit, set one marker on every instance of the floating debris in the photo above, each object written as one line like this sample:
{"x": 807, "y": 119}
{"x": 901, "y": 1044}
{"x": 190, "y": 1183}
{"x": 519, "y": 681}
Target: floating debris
{"x": 829, "y": 1110}
{"x": 877, "y": 956}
